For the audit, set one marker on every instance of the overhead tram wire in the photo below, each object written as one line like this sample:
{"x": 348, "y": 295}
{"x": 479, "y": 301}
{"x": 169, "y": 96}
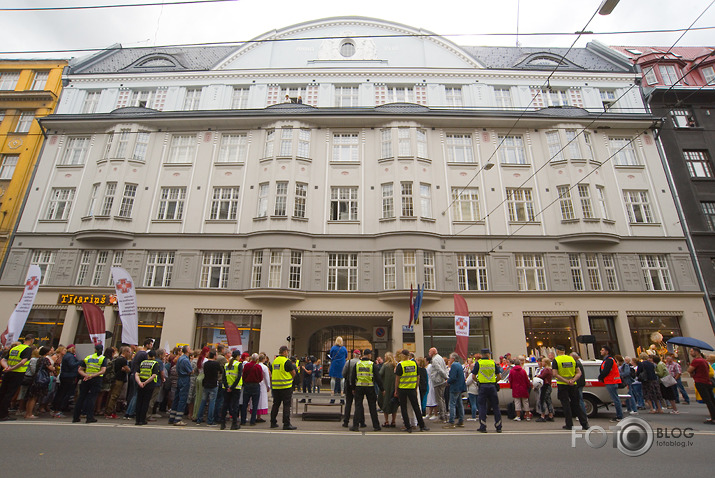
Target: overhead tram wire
{"x": 113, "y": 5}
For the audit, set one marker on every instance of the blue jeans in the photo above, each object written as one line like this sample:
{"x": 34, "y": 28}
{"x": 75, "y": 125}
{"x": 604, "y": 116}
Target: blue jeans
{"x": 686, "y": 398}
{"x": 251, "y": 393}
{"x": 613, "y": 392}
{"x": 131, "y": 406}
{"x": 210, "y": 396}
{"x": 637, "y": 392}
{"x": 580, "y": 399}
{"x": 473, "y": 404}
{"x": 456, "y": 407}
{"x": 182, "y": 394}
{"x": 631, "y": 402}
{"x": 219, "y": 404}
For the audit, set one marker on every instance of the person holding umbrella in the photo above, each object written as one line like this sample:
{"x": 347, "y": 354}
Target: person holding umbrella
{"x": 700, "y": 371}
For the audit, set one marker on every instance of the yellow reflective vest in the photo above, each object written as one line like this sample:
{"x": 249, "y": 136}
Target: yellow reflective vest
{"x": 566, "y": 368}
{"x": 280, "y": 379}
{"x": 363, "y": 369}
{"x": 14, "y": 358}
{"x": 93, "y": 363}
{"x": 408, "y": 379}
{"x": 487, "y": 371}
{"x": 232, "y": 374}
{"x": 145, "y": 369}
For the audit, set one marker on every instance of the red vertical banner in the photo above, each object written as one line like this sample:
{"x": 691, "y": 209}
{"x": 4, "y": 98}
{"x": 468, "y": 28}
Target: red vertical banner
{"x": 461, "y": 326}
{"x": 94, "y": 316}
{"x": 233, "y": 336}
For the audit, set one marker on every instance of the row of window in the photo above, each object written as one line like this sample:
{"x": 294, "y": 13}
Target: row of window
{"x": 24, "y": 121}
{"x": 9, "y": 79}
{"x": 671, "y": 75}
{"x": 592, "y": 272}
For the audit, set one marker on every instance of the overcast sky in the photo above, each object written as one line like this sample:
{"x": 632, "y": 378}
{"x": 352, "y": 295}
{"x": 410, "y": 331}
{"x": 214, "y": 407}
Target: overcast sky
{"x": 462, "y": 21}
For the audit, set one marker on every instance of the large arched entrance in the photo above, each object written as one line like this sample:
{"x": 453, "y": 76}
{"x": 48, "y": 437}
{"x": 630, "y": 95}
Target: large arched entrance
{"x": 353, "y": 338}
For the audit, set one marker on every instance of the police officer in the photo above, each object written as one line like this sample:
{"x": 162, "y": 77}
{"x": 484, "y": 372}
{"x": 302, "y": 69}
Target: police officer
{"x": 567, "y": 374}
{"x": 14, "y": 365}
{"x": 485, "y": 373}
{"x": 232, "y": 383}
{"x": 282, "y": 375}
{"x": 147, "y": 379}
{"x": 365, "y": 377}
{"x": 406, "y": 389}
{"x": 91, "y": 371}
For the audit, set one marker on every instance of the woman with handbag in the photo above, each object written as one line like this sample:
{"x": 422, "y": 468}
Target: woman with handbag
{"x": 651, "y": 384}
{"x": 667, "y": 383}
{"x": 41, "y": 383}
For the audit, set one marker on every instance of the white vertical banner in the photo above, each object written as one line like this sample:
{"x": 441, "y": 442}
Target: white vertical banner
{"x": 22, "y": 310}
{"x": 127, "y": 298}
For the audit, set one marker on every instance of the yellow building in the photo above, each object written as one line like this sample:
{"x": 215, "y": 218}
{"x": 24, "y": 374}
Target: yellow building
{"x": 29, "y": 89}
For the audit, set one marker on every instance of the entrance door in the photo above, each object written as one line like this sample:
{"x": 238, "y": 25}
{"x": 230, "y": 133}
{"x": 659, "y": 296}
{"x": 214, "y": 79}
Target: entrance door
{"x": 353, "y": 338}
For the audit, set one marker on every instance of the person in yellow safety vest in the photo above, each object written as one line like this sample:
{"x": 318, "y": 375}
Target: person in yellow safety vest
{"x": 14, "y": 366}
{"x": 90, "y": 371}
{"x": 232, "y": 383}
{"x": 283, "y": 372}
{"x": 486, "y": 373}
{"x": 147, "y": 378}
{"x": 406, "y": 379}
{"x": 567, "y": 374}
{"x": 364, "y": 377}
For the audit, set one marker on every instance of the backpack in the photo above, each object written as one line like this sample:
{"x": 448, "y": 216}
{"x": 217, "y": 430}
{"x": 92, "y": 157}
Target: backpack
{"x": 633, "y": 372}
{"x": 109, "y": 375}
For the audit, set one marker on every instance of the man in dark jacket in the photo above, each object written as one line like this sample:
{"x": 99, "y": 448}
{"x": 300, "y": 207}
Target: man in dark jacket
{"x": 68, "y": 380}
{"x": 457, "y": 386}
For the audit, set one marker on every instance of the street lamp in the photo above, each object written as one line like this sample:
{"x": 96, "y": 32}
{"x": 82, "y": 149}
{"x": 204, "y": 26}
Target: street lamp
{"x": 607, "y": 7}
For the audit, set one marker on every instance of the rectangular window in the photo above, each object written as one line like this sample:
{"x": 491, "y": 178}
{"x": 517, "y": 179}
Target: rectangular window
{"x": 262, "y": 200}
{"x": 110, "y": 190}
{"x": 669, "y": 74}
{"x": 698, "y": 163}
{"x": 594, "y": 275}
{"x": 472, "y": 272}
{"x": 224, "y": 206}
{"x": 233, "y": 149}
{"x": 683, "y": 119}
{"x": 584, "y": 193}
{"x": 342, "y": 271}
{"x": 344, "y": 204}
{"x": 589, "y": 146}
{"x": 45, "y": 260}
{"x": 84, "y": 263}
{"x": 40, "y": 80}
{"x": 459, "y": 148}
{"x": 122, "y": 143}
{"x": 511, "y": 149}
{"x": 159, "y": 267}
{"x": 388, "y": 201}
{"x": 256, "y": 269}
{"x": 60, "y": 203}
{"x": 141, "y": 146}
{"x": 576, "y": 272}
{"x": 408, "y": 209}
{"x": 8, "y": 165}
{"x": 93, "y": 200}
{"x": 708, "y": 208}
{"x": 608, "y": 99}
{"x": 286, "y": 145}
{"x": 182, "y": 149}
{"x": 409, "y": 269}
{"x": 389, "y": 270}
{"x": 303, "y": 143}
{"x": 454, "y": 96}
{"x": 214, "y": 270}
{"x": 465, "y": 204}
{"x": 108, "y": 146}
{"x": 281, "y": 204}
{"x": 655, "y": 272}
{"x": 623, "y": 152}
{"x": 573, "y": 147}
{"x": 425, "y": 200}
{"x": 404, "y": 142}
{"x": 638, "y": 207}
{"x": 127, "y": 206}
{"x": 117, "y": 260}
{"x": 239, "y": 100}
{"x": 521, "y": 205}
{"x": 421, "y": 143}
{"x": 649, "y": 75}
{"x": 91, "y": 101}
{"x": 553, "y": 142}
{"x": 99, "y": 265}
{"x": 503, "y": 97}
{"x": 708, "y": 75}
{"x": 400, "y": 94}
{"x": 567, "y": 212}
{"x": 428, "y": 264}
{"x": 301, "y": 195}
{"x": 192, "y": 99}
{"x": 76, "y": 150}
{"x": 530, "y": 271}
{"x": 345, "y": 147}
{"x": 8, "y": 80}
{"x": 385, "y": 143}
{"x": 171, "y": 204}
{"x": 601, "y": 202}
{"x": 296, "y": 270}
{"x": 609, "y": 267}
{"x": 346, "y": 96}
{"x": 268, "y": 147}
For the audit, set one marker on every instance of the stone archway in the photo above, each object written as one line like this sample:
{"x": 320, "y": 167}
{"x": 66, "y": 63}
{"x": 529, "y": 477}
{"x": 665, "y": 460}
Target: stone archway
{"x": 354, "y": 337}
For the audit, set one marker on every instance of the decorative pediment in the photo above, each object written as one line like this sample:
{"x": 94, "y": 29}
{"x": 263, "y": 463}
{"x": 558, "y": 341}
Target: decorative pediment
{"x": 155, "y": 62}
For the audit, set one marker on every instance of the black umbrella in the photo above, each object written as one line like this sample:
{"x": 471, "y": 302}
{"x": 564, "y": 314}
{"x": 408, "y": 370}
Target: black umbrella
{"x": 690, "y": 342}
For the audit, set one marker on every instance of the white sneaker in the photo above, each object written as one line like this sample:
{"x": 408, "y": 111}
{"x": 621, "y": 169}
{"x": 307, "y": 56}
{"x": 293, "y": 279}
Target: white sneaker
{"x": 471, "y": 419}
{"x": 517, "y": 419}
{"x": 634, "y": 413}
{"x": 433, "y": 417}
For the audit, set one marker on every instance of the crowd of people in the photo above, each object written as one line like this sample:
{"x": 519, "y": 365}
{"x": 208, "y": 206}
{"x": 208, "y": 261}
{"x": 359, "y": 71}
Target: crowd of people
{"x": 215, "y": 385}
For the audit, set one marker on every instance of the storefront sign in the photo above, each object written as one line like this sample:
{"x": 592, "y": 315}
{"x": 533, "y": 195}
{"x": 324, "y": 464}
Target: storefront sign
{"x": 98, "y": 299}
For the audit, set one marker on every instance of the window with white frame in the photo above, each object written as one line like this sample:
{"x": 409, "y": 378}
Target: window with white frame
{"x": 45, "y": 260}
{"x": 520, "y": 203}
{"x": 303, "y": 143}
{"x": 623, "y": 152}
{"x": 8, "y": 165}
{"x": 601, "y": 202}
{"x": 40, "y": 80}
{"x": 268, "y": 146}
{"x": 233, "y": 149}
{"x": 24, "y": 122}
{"x": 344, "y": 204}
{"x": 93, "y": 200}
{"x": 224, "y": 204}
{"x": 683, "y": 118}
{"x": 594, "y": 274}
{"x": 638, "y": 207}
{"x": 100, "y": 264}
{"x": 459, "y": 148}
{"x": 117, "y": 259}
{"x": 609, "y": 268}
{"x": 299, "y": 201}
{"x": 608, "y": 99}
{"x": 400, "y": 94}
{"x": 91, "y": 101}
{"x": 389, "y": 270}
{"x": 404, "y": 142}
{"x": 708, "y": 75}
{"x": 708, "y": 208}
{"x": 699, "y": 165}
{"x": 286, "y": 142}
{"x": 576, "y": 272}
{"x": 669, "y": 74}
{"x": 59, "y": 204}
{"x": 239, "y": 99}
{"x": 503, "y": 97}
{"x": 296, "y": 270}
{"x": 342, "y": 271}
{"x": 346, "y": 96}
{"x": 588, "y": 139}
{"x": 108, "y": 146}
{"x": 159, "y": 267}
{"x": 425, "y": 200}
{"x": 454, "y": 96}
{"x": 573, "y": 147}
{"x": 345, "y": 147}
{"x": 421, "y": 143}
{"x": 409, "y": 269}
{"x": 511, "y": 149}
{"x": 110, "y": 189}
{"x": 465, "y": 204}
{"x": 567, "y": 212}
{"x": 385, "y": 143}
{"x": 154, "y": 99}
{"x": 408, "y": 209}
{"x": 182, "y": 149}
{"x": 429, "y": 270}
{"x": 85, "y": 260}
{"x": 281, "y": 205}
{"x": 8, "y": 80}
{"x": 215, "y": 267}
{"x": 530, "y": 271}
{"x": 655, "y": 272}
{"x": 274, "y": 269}
{"x": 388, "y": 201}
{"x": 649, "y": 75}
{"x": 127, "y": 205}
{"x": 262, "y": 200}
{"x": 141, "y": 146}
{"x": 584, "y": 194}
{"x": 555, "y": 97}
{"x": 553, "y": 142}
{"x": 256, "y": 269}
{"x": 472, "y": 271}
{"x": 171, "y": 204}
{"x": 122, "y": 143}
